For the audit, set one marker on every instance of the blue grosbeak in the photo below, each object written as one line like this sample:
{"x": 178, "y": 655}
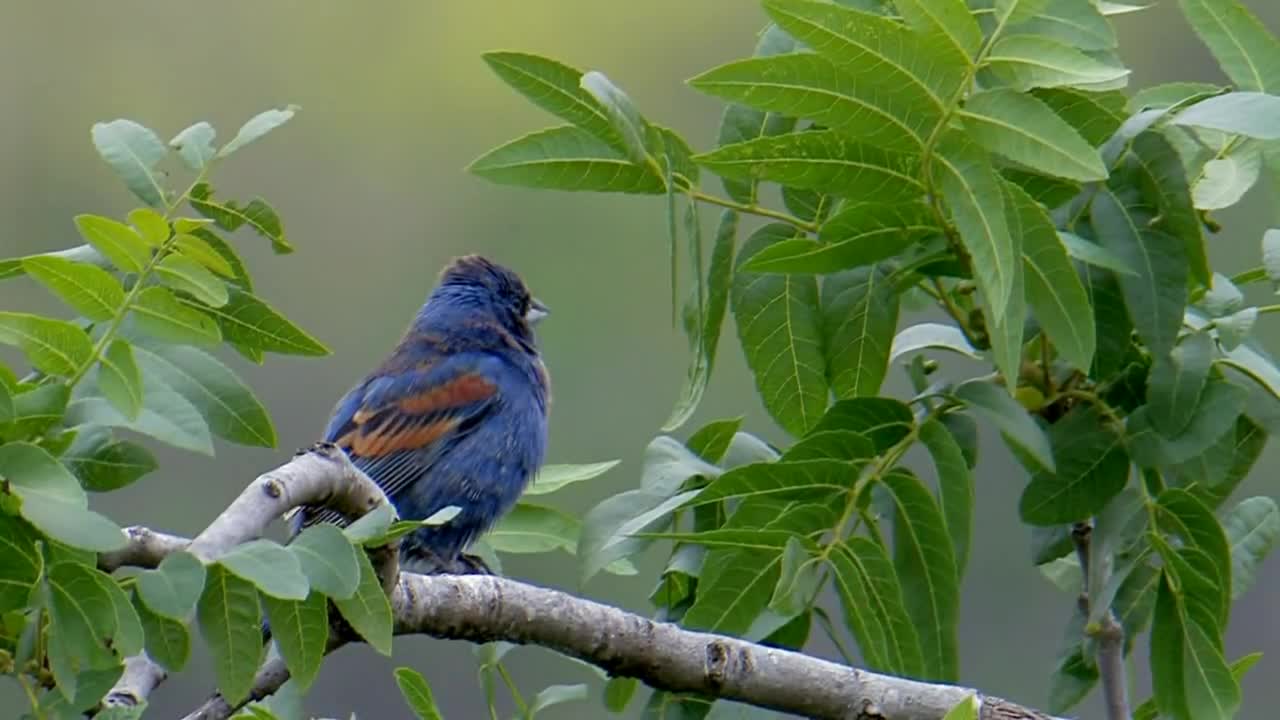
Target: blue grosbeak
{"x": 456, "y": 415}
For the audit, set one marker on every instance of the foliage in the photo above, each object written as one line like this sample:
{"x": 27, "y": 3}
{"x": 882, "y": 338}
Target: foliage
{"x": 981, "y": 156}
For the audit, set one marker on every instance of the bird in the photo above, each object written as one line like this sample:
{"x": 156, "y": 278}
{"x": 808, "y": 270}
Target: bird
{"x": 456, "y": 415}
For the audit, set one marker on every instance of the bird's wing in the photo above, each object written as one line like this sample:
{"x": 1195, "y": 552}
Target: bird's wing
{"x": 394, "y": 426}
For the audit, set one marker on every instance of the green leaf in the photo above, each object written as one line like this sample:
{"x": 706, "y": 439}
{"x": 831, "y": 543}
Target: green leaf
{"x": 862, "y": 233}
{"x": 119, "y": 379}
{"x": 173, "y": 589}
{"x": 417, "y": 693}
{"x": 966, "y": 709}
{"x": 874, "y": 608}
{"x": 226, "y": 403}
{"x": 565, "y": 158}
{"x": 269, "y": 566}
{"x": 230, "y": 622}
{"x": 182, "y": 273}
{"x": 301, "y": 631}
{"x": 534, "y": 529}
{"x": 370, "y": 526}
{"x": 859, "y": 311}
{"x": 1243, "y": 47}
{"x": 884, "y": 421}
{"x": 198, "y": 248}
{"x": 1026, "y": 130}
{"x": 22, "y": 567}
{"x": 1077, "y": 23}
{"x": 955, "y": 488}
{"x": 820, "y": 160}
{"x": 995, "y": 405}
{"x": 811, "y": 86}
{"x": 734, "y": 588}
{"x": 972, "y": 191}
{"x": 926, "y": 566}
{"x": 1251, "y": 114}
{"x": 553, "y": 477}
{"x": 627, "y": 122}
{"x": 1163, "y": 182}
{"x": 1225, "y": 179}
{"x": 90, "y": 291}
{"x": 257, "y": 126}
{"x": 161, "y": 314}
{"x": 195, "y": 145}
{"x": 165, "y": 416}
{"x": 1176, "y": 383}
{"x": 53, "y": 346}
{"x": 779, "y": 327}
{"x": 368, "y": 610}
{"x": 931, "y": 335}
{"x": 119, "y": 243}
{"x": 1202, "y": 565}
{"x": 1092, "y": 468}
{"x": 554, "y": 87}
{"x": 915, "y": 67}
{"x": 53, "y": 501}
{"x": 1156, "y": 295}
{"x": 82, "y": 623}
{"x": 1220, "y": 404}
{"x": 249, "y": 321}
{"x": 1095, "y": 115}
{"x": 1032, "y": 61}
{"x": 328, "y": 560}
{"x": 1053, "y": 288}
{"x": 1091, "y": 253}
{"x": 168, "y": 641}
{"x": 947, "y": 24}
{"x": 1188, "y": 671}
{"x": 230, "y": 216}
{"x": 1252, "y": 528}
{"x": 132, "y": 151}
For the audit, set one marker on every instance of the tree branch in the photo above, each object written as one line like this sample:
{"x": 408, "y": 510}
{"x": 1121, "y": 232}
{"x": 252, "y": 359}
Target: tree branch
{"x": 320, "y": 475}
{"x": 480, "y": 609}
{"x": 1109, "y": 632}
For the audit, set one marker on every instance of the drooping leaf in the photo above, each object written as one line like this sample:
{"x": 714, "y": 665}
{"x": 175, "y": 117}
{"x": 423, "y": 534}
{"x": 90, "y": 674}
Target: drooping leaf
{"x": 859, "y": 311}
{"x": 1176, "y": 383}
{"x": 82, "y": 623}
{"x": 132, "y": 151}
{"x": 226, "y": 403}
{"x": 565, "y": 158}
{"x": 874, "y": 607}
{"x": 168, "y": 641}
{"x": 994, "y": 404}
{"x": 1220, "y": 404}
{"x": 301, "y": 631}
{"x": 230, "y": 622}
{"x": 1188, "y": 671}
{"x": 1163, "y": 182}
{"x": 173, "y": 589}
{"x": 779, "y": 326}
{"x": 231, "y": 216}
{"x": 955, "y": 488}
{"x": 90, "y": 291}
{"x": 368, "y": 610}
{"x": 328, "y": 560}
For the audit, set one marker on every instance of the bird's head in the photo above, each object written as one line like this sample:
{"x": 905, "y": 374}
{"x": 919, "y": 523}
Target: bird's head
{"x": 501, "y": 290}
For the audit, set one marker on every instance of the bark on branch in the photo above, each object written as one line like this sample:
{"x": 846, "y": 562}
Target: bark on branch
{"x": 486, "y": 608}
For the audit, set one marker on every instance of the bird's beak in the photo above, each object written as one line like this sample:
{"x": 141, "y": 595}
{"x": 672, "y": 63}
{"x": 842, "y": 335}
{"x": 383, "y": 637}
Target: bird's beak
{"x": 536, "y": 312}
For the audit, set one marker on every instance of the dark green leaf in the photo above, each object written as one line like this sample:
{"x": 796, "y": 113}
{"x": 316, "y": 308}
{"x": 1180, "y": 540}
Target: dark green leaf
{"x": 948, "y": 24}
{"x": 230, "y": 622}
{"x": 1220, "y": 405}
{"x": 1052, "y": 286}
{"x": 955, "y": 488}
{"x": 554, "y": 87}
{"x": 779, "y": 326}
{"x": 1095, "y": 115}
{"x": 884, "y": 421}
{"x": 230, "y": 215}
{"x": 821, "y": 478}
{"x": 90, "y": 291}
{"x": 994, "y": 404}
{"x": 1163, "y": 183}
{"x": 173, "y": 588}
{"x": 1026, "y": 130}
{"x": 328, "y": 560}
{"x": 618, "y": 693}
{"x": 224, "y": 400}
{"x": 874, "y": 607}
{"x": 926, "y": 566}
{"x": 168, "y": 641}
{"x": 820, "y": 160}
{"x": 247, "y": 320}
{"x": 565, "y": 158}
{"x": 1176, "y": 383}
{"x": 973, "y": 192}
{"x": 1188, "y": 672}
{"x": 859, "y": 310}
{"x": 132, "y": 151}
{"x": 269, "y": 566}
{"x": 1156, "y": 295}
{"x": 417, "y": 693}
{"x": 1094, "y": 254}
{"x": 1092, "y": 468}
{"x": 161, "y": 314}
{"x": 53, "y": 346}
{"x": 1202, "y": 566}
{"x": 811, "y": 86}
{"x": 861, "y": 233}
{"x": 368, "y": 610}
{"x": 831, "y": 445}
{"x": 257, "y": 126}
{"x": 22, "y": 566}
{"x": 301, "y": 630}
{"x": 195, "y": 145}
{"x": 82, "y": 623}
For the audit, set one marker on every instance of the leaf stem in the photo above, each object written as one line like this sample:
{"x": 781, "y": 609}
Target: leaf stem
{"x": 511, "y": 686}
{"x": 753, "y": 209}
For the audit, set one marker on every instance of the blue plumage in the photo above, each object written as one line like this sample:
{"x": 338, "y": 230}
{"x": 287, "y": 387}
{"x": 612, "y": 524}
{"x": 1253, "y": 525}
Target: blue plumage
{"x": 456, "y": 415}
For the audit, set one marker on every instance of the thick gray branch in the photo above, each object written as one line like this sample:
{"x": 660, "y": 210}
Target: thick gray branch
{"x": 321, "y": 475}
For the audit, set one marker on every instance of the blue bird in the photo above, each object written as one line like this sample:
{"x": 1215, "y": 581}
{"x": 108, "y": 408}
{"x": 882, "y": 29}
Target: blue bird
{"x": 456, "y": 415}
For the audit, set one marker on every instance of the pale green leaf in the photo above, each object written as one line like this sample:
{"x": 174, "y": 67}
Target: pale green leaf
{"x": 1252, "y": 529}
{"x": 257, "y": 126}
{"x": 132, "y": 151}
{"x": 195, "y": 145}
{"x": 551, "y": 478}
{"x": 1247, "y": 52}
{"x": 166, "y": 416}
{"x": 995, "y": 405}
{"x": 931, "y": 335}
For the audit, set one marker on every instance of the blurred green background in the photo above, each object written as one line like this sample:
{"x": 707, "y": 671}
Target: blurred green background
{"x": 369, "y": 181}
